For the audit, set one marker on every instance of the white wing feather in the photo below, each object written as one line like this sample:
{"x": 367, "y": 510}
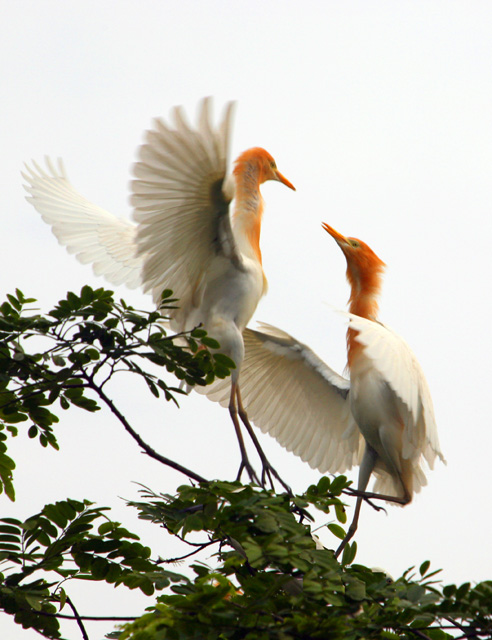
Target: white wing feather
{"x": 181, "y": 201}
{"x": 93, "y": 234}
{"x": 396, "y": 362}
{"x": 294, "y": 396}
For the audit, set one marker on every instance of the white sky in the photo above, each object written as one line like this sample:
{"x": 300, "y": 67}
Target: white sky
{"x": 380, "y": 114}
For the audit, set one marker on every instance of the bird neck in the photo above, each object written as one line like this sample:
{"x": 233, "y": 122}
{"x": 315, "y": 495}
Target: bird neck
{"x": 248, "y": 210}
{"x": 363, "y": 302}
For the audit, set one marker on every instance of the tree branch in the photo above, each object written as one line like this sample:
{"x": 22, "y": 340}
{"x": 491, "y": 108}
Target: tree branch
{"x": 147, "y": 448}
{"x": 64, "y": 616}
{"x": 192, "y": 553}
{"x": 418, "y": 633}
{"x": 78, "y": 618}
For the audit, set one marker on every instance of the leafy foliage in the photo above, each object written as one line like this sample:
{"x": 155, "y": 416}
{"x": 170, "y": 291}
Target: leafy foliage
{"x": 256, "y": 570}
{"x": 76, "y": 349}
{"x": 271, "y": 580}
{"x": 63, "y": 541}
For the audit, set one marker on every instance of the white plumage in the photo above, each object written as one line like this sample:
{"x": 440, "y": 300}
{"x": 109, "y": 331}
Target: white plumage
{"x": 94, "y": 235}
{"x": 295, "y": 397}
{"x": 292, "y": 395}
{"x": 382, "y": 417}
{"x": 185, "y": 238}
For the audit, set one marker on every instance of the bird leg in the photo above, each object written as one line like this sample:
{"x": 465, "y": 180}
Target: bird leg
{"x": 366, "y": 468}
{"x": 245, "y": 463}
{"x": 267, "y": 469}
{"x": 365, "y": 496}
{"x": 352, "y": 529}
{"x": 369, "y": 495}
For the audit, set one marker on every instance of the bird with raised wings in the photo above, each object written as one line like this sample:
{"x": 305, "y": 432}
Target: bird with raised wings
{"x": 384, "y": 408}
{"x": 185, "y": 237}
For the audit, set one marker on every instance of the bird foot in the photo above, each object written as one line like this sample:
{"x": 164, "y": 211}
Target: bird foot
{"x": 246, "y": 466}
{"x": 354, "y": 492}
{"x": 369, "y": 497}
{"x": 267, "y": 472}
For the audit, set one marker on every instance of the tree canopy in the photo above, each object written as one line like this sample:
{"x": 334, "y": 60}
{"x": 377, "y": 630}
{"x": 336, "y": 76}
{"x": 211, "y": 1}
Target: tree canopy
{"x": 270, "y": 577}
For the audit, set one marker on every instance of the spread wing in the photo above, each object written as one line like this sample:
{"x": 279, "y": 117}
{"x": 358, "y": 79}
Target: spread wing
{"x": 396, "y": 362}
{"x": 94, "y": 235}
{"x": 181, "y": 202}
{"x": 294, "y": 396}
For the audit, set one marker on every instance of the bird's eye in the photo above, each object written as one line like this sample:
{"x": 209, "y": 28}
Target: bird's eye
{"x": 354, "y": 243}
{"x": 273, "y": 165}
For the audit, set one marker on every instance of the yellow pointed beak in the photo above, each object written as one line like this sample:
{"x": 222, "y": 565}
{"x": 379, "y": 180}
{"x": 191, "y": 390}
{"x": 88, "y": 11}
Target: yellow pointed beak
{"x": 284, "y": 180}
{"x": 339, "y": 239}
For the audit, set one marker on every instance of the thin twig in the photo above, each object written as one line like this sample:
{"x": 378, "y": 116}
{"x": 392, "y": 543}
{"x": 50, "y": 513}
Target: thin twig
{"x": 192, "y": 553}
{"x": 456, "y": 625}
{"x": 78, "y": 618}
{"x": 147, "y": 448}
{"x": 64, "y": 616}
{"x": 418, "y": 633}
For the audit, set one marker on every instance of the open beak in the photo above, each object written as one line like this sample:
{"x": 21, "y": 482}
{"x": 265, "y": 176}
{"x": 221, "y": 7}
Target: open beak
{"x": 339, "y": 239}
{"x": 283, "y": 180}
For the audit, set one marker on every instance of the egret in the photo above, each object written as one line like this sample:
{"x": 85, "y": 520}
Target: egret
{"x": 384, "y": 409}
{"x": 184, "y": 239}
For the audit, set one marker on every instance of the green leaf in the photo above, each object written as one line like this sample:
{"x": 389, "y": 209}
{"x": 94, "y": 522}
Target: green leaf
{"x": 6, "y": 309}
{"x": 210, "y": 342}
{"x": 114, "y": 573}
{"x": 355, "y": 589}
{"x": 106, "y": 527}
{"x": 5, "y": 537}
{"x": 34, "y": 602}
{"x": 340, "y": 513}
{"x": 56, "y": 515}
{"x": 63, "y": 597}
{"x": 324, "y": 484}
{"x": 99, "y": 568}
{"x": 337, "y": 530}
{"x": 14, "y": 302}
{"x": 437, "y": 634}
{"x": 13, "y": 521}
{"x": 415, "y": 593}
{"x": 198, "y": 333}
{"x": 7, "y": 528}
{"x": 224, "y": 360}
{"x": 338, "y": 484}
{"x": 349, "y": 553}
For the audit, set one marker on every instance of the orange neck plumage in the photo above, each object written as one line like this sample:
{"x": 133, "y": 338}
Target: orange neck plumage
{"x": 364, "y": 292}
{"x": 249, "y": 205}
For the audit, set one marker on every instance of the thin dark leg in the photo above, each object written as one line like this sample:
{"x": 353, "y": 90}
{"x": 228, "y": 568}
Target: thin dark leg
{"x": 352, "y": 529}
{"x": 267, "y": 469}
{"x": 369, "y": 495}
{"x": 245, "y": 463}
{"x": 366, "y": 468}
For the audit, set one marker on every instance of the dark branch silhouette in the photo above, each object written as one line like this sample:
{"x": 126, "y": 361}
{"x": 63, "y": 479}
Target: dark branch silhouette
{"x": 78, "y": 618}
{"x": 147, "y": 448}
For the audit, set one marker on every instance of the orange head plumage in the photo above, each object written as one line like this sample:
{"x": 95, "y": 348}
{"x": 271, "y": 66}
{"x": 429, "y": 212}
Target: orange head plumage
{"x": 259, "y": 165}
{"x": 364, "y": 273}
